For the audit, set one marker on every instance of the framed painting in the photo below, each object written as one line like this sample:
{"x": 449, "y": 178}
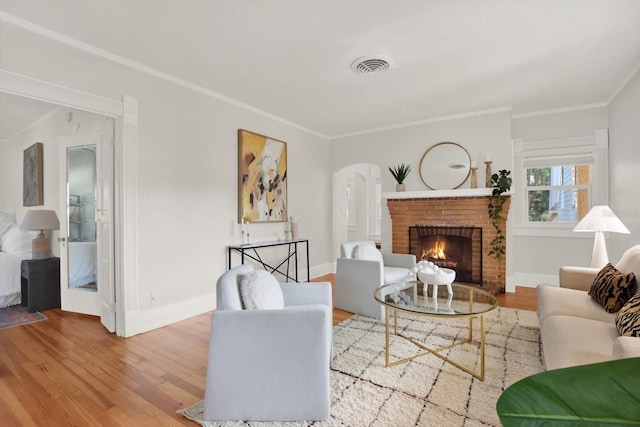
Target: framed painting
{"x": 32, "y": 190}
{"x": 262, "y": 178}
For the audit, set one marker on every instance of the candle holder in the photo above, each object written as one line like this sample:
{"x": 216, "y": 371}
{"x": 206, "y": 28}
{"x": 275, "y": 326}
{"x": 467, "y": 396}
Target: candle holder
{"x": 488, "y": 177}
{"x": 474, "y": 178}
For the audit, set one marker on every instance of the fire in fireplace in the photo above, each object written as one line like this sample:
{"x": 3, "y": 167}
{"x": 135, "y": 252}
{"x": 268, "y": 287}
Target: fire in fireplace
{"x": 457, "y": 248}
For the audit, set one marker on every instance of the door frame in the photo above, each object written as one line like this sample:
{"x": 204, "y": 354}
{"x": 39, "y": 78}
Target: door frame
{"x": 125, "y": 113}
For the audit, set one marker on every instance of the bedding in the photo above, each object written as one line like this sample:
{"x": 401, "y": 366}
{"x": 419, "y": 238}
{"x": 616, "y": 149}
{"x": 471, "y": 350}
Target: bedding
{"x": 15, "y": 246}
{"x": 10, "y": 293}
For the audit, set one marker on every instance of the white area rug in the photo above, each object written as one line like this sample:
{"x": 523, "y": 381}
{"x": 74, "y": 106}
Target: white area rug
{"x": 425, "y": 391}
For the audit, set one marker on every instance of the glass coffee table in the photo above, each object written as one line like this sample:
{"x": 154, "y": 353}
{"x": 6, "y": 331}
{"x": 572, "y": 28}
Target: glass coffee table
{"x": 464, "y": 301}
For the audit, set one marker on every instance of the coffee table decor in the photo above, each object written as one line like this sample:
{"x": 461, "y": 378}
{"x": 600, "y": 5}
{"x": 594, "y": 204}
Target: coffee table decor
{"x": 463, "y": 302}
{"x": 430, "y": 274}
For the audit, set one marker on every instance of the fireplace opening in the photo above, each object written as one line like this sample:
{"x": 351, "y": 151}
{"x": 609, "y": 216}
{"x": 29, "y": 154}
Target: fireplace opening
{"x": 457, "y": 248}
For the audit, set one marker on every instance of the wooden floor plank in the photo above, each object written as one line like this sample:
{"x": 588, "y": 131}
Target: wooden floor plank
{"x": 68, "y": 370}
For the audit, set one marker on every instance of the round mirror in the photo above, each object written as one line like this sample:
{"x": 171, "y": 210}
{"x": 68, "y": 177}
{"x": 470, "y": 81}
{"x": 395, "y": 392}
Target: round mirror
{"x": 445, "y": 166}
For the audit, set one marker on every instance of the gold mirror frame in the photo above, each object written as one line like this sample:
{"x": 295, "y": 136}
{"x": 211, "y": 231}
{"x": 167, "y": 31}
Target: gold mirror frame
{"x": 445, "y": 166}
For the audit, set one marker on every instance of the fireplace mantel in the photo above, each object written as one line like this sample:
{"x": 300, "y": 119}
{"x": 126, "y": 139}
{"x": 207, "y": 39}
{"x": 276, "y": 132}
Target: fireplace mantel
{"x": 439, "y": 194}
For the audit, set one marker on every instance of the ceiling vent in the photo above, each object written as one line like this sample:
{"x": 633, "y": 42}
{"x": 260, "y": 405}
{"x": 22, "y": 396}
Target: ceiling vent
{"x": 371, "y": 64}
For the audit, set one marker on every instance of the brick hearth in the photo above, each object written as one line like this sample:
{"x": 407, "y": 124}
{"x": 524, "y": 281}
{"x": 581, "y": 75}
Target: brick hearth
{"x": 449, "y": 211}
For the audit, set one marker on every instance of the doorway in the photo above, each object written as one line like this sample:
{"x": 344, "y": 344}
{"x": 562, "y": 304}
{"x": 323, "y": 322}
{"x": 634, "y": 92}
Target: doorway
{"x": 123, "y": 240}
{"x": 357, "y": 209}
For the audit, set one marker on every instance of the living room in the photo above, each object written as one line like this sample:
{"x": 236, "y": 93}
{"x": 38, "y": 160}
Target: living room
{"x": 181, "y": 184}
{"x": 177, "y": 145}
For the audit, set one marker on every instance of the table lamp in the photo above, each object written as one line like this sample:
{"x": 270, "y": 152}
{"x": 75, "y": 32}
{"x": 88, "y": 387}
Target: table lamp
{"x": 40, "y": 220}
{"x": 600, "y": 219}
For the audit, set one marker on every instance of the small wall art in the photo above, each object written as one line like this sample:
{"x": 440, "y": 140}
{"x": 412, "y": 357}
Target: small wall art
{"x": 262, "y": 178}
{"x": 32, "y": 186}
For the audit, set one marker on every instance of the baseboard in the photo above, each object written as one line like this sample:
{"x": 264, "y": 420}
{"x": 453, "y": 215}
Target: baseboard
{"x": 528, "y": 280}
{"x": 140, "y": 321}
{"x": 321, "y": 270}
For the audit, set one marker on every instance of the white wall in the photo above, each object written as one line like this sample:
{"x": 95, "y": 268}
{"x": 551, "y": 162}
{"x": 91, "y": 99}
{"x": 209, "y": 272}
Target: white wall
{"x": 186, "y": 182}
{"x": 624, "y": 165}
{"x": 482, "y": 135}
{"x": 538, "y": 259}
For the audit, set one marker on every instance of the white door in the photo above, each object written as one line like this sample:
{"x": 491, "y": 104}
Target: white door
{"x": 86, "y": 238}
{"x": 104, "y": 224}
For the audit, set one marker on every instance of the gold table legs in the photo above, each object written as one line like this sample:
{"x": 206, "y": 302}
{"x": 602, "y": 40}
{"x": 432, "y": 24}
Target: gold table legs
{"x": 435, "y": 351}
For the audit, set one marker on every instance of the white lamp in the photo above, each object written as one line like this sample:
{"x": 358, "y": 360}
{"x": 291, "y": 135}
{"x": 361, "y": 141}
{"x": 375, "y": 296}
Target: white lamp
{"x": 600, "y": 219}
{"x": 40, "y": 220}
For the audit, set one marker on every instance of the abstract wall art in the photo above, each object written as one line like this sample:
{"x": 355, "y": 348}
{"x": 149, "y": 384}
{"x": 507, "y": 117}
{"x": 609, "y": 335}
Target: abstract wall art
{"x": 32, "y": 191}
{"x": 262, "y": 178}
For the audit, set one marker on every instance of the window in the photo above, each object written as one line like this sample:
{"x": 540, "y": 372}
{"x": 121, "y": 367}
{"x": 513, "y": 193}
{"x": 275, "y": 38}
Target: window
{"x": 557, "y": 193}
{"x": 557, "y": 182}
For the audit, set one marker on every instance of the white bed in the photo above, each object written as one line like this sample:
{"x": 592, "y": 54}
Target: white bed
{"x": 10, "y": 277}
{"x": 15, "y": 245}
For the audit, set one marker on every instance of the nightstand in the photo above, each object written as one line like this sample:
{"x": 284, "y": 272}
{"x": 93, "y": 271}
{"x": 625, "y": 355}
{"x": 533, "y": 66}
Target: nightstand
{"x": 40, "y": 284}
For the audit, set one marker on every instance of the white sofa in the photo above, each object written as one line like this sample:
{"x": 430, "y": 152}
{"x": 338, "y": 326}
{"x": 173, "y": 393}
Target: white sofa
{"x": 360, "y": 270}
{"x": 576, "y": 330}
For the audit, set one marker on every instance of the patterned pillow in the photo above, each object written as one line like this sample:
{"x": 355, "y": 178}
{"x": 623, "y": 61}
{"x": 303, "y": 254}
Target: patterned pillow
{"x": 628, "y": 318}
{"x": 612, "y": 289}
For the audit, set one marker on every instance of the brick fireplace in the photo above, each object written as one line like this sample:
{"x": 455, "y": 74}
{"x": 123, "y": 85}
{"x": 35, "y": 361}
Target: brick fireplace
{"x": 464, "y": 211}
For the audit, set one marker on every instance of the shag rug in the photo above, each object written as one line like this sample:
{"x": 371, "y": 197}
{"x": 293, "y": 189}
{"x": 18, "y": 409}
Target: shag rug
{"x": 425, "y": 391}
{"x": 16, "y": 315}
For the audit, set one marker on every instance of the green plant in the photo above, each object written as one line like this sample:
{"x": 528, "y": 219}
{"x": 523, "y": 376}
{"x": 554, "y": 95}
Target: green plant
{"x": 400, "y": 172}
{"x": 501, "y": 183}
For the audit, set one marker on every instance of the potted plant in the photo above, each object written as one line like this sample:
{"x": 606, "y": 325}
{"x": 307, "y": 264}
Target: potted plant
{"x": 501, "y": 183}
{"x": 399, "y": 173}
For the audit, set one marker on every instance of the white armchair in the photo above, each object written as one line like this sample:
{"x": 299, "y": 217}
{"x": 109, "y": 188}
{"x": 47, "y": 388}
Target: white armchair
{"x": 360, "y": 270}
{"x": 269, "y": 365}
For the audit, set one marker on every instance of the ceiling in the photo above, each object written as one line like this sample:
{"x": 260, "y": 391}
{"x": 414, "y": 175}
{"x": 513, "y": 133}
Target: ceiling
{"x": 291, "y": 59}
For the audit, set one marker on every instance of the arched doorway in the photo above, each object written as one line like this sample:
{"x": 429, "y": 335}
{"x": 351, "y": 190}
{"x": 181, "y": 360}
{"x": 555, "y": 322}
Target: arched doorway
{"x": 357, "y": 195}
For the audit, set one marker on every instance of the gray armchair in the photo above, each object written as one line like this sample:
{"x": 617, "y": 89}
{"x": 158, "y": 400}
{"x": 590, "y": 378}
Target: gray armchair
{"x": 360, "y": 270}
{"x": 269, "y": 365}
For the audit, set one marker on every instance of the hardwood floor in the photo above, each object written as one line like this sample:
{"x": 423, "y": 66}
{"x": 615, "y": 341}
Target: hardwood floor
{"x": 68, "y": 370}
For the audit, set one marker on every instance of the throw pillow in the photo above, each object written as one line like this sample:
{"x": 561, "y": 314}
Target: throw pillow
{"x": 612, "y": 289}
{"x": 17, "y": 241}
{"x": 628, "y": 318}
{"x": 367, "y": 252}
{"x": 260, "y": 290}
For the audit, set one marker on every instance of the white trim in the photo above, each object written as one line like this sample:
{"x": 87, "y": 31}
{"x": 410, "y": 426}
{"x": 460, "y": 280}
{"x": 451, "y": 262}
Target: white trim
{"x": 40, "y": 90}
{"x": 423, "y": 122}
{"x": 438, "y": 194}
{"x": 69, "y": 41}
{"x": 595, "y": 145}
{"x": 140, "y": 321}
{"x": 623, "y": 84}
{"x": 126, "y": 209}
{"x": 532, "y": 280}
{"x": 560, "y": 110}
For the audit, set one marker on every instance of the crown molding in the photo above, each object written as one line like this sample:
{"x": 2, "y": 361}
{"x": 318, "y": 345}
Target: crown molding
{"x": 77, "y": 44}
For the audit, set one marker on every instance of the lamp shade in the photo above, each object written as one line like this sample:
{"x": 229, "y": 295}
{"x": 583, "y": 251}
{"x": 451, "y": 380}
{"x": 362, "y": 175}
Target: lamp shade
{"x": 601, "y": 218}
{"x": 40, "y": 220}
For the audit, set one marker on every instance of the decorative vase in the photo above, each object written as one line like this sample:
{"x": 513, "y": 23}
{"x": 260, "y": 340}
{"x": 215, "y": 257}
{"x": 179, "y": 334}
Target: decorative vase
{"x": 474, "y": 178}
{"x": 399, "y": 187}
{"x": 488, "y": 173}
